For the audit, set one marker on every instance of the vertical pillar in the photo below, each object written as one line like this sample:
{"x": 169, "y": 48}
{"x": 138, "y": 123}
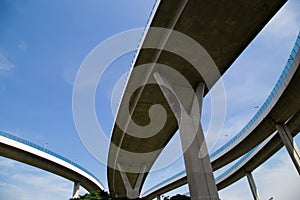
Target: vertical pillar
{"x": 199, "y": 171}
{"x": 290, "y": 144}
{"x": 252, "y": 186}
{"x": 76, "y": 190}
{"x": 158, "y": 197}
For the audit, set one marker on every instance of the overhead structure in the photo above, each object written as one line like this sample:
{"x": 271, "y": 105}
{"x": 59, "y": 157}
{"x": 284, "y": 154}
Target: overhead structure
{"x": 27, "y": 152}
{"x": 289, "y": 143}
{"x": 258, "y": 157}
{"x": 223, "y": 29}
{"x": 280, "y": 107}
{"x": 287, "y": 89}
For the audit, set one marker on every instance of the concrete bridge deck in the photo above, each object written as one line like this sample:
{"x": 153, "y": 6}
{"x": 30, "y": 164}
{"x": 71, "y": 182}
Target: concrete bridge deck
{"x": 224, "y": 29}
{"x": 27, "y": 152}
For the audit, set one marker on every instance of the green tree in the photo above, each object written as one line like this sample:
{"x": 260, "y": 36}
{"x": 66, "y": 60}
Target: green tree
{"x": 97, "y": 195}
{"x": 102, "y": 195}
{"x": 178, "y": 197}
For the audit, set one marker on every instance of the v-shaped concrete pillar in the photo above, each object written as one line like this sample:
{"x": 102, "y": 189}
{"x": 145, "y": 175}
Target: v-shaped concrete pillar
{"x": 197, "y": 162}
{"x": 76, "y": 190}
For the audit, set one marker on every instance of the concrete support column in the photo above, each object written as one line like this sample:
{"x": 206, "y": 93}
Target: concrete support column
{"x": 76, "y": 190}
{"x": 158, "y": 197}
{"x": 199, "y": 171}
{"x": 252, "y": 186}
{"x": 290, "y": 144}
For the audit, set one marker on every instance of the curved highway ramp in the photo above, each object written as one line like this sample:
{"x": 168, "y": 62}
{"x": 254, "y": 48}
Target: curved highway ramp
{"x": 27, "y": 152}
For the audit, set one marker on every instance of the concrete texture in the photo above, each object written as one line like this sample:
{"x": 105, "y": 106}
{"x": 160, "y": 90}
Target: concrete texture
{"x": 224, "y": 29}
{"x": 285, "y": 108}
{"x": 34, "y": 157}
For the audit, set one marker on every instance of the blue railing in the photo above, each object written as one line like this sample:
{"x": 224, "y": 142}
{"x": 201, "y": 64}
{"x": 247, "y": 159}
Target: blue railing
{"x": 217, "y": 179}
{"x": 238, "y": 163}
{"x": 144, "y": 32}
{"x": 138, "y": 47}
{"x": 224, "y": 174}
{"x": 165, "y": 181}
{"x": 250, "y": 123}
{"x": 267, "y": 102}
{"x": 15, "y": 138}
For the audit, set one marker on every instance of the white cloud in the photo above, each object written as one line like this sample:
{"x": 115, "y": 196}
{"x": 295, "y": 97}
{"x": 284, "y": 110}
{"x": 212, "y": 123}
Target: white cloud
{"x": 237, "y": 191}
{"x": 44, "y": 181}
{"x": 10, "y": 191}
{"x": 7, "y": 185}
{"x": 6, "y": 163}
{"x": 269, "y": 178}
{"x": 232, "y": 126}
{"x": 286, "y": 22}
{"x": 24, "y": 182}
{"x": 5, "y": 64}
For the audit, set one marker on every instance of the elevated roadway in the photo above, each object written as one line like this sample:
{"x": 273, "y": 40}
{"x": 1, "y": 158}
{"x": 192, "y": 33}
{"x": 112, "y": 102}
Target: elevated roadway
{"x": 247, "y": 163}
{"x": 285, "y": 98}
{"x": 27, "y": 152}
{"x": 281, "y": 105}
{"x": 224, "y": 29}
{"x": 257, "y": 156}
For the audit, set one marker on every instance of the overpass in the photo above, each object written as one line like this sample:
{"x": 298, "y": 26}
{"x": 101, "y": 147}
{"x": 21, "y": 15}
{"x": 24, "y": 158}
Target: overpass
{"x": 286, "y": 88}
{"x": 27, "y": 152}
{"x": 281, "y": 105}
{"x": 257, "y": 156}
{"x": 223, "y": 29}
{"x": 246, "y": 164}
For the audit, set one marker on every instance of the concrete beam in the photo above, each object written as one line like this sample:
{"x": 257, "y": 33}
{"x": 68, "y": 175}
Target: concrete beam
{"x": 132, "y": 193}
{"x": 198, "y": 20}
{"x": 199, "y": 171}
{"x": 290, "y": 144}
{"x": 28, "y": 154}
{"x": 252, "y": 186}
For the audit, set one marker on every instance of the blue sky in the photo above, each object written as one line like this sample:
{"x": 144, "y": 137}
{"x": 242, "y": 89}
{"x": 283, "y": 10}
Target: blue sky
{"x": 42, "y": 45}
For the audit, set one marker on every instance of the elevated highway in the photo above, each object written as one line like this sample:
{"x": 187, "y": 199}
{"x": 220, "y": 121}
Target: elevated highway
{"x": 287, "y": 88}
{"x": 281, "y": 105}
{"x": 27, "y": 152}
{"x": 223, "y": 29}
{"x": 247, "y": 163}
{"x": 258, "y": 155}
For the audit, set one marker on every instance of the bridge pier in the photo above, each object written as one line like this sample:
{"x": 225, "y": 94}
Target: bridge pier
{"x": 197, "y": 162}
{"x": 290, "y": 144}
{"x": 76, "y": 190}
{"x": 252, "y": 186}
{"x": 199, "y": 171}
